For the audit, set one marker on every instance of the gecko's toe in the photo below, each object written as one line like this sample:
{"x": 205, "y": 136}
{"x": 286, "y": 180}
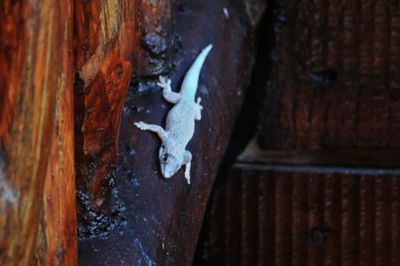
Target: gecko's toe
{"x": 163, "y": 82}
{"x": 140, "y": 125}
{"x": 187, "y": 177}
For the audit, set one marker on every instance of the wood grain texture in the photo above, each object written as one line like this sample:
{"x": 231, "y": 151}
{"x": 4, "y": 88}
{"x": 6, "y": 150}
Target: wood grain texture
{"x": 35, "y": 102}
{"x": 350, "y": 157}
{"x": 336, "y": 78}
{"x": 161, "y": 218}
{"x": 58, "y": 232}
{"x": 322, "y": 172}
{"x": 57, "y": 239}
{"x": 303, "y": 216}
{"x": 104, "y": 34}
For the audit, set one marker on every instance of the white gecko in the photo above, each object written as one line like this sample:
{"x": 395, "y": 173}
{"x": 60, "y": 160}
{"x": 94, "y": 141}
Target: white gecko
{"x": 180, "y": 120}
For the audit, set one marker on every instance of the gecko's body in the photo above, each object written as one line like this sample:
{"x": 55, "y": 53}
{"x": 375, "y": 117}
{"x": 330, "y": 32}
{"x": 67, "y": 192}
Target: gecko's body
{"x": 179, "y": 128}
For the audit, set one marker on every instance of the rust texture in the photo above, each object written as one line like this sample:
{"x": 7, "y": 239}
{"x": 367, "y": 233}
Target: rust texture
{"x": 104, "y": 33}
{"x": 159, "y": 219}
{"x": 35, "y": 103}
{"x": 336, "y": 82}
{"x": 154, "y": 37}
{"x": 269, "y": 215}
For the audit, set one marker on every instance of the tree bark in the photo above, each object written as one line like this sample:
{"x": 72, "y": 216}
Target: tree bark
{"x": 154, "y": 37}
{"x": 104, "y": 38}
{"x": 36, "y": 176}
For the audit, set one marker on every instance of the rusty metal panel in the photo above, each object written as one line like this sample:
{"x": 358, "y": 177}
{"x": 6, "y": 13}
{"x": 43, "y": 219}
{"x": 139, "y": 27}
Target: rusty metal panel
{"x": 275, "y": 215}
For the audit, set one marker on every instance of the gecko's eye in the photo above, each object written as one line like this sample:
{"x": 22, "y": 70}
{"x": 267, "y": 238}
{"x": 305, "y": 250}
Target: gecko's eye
{"x": 165, "y": 157}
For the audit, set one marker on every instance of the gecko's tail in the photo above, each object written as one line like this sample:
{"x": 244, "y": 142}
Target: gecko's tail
{"x": 189, "y": 84}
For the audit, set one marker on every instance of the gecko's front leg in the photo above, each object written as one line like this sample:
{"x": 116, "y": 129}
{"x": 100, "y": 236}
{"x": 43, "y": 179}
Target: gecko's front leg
{"x": 187, "y": 161}
{"x": 168, "y": 94}
{"x": 155, "y": 128}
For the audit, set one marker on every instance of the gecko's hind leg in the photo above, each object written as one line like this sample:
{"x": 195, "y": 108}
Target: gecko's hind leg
{"x": 187, "y": 161}
{"x": 197, "y": 109}
{"x": 168, "y": 94}
{"x": 154, "y": 128}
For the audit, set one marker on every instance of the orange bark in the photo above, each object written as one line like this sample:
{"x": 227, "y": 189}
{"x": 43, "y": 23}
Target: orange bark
{"x": 35, "y": 104}
{"x": 103, "y": 47}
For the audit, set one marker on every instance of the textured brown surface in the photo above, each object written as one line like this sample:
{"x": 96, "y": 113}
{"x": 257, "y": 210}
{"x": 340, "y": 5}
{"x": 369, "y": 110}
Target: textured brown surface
{"x": 354, "y": 157}
{"x": 305, "y": 216}
{"x": 58, "y": 244}
{"x": 320, "y": 183}
{"x": 58, "y": 228}
{"x": 161, "y": 218}
{"x": 154, "y": 37}
{"x": 36, "y": 169}
{"x": 337, "y": 78}
{"x": 104, "y": 34}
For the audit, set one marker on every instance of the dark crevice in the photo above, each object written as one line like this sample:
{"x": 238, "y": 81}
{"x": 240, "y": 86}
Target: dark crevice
{"x": 248, "y": 118}
{"x": 246, "y": 124}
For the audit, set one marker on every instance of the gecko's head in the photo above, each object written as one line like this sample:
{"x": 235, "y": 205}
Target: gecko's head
{"x": 169, "y": 164}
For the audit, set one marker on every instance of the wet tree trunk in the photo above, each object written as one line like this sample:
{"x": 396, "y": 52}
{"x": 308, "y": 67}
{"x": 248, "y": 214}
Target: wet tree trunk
{"x": 104, "y": 46}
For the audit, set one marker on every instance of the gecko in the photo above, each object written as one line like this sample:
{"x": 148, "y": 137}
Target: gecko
{"x": 180, "y": 122}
